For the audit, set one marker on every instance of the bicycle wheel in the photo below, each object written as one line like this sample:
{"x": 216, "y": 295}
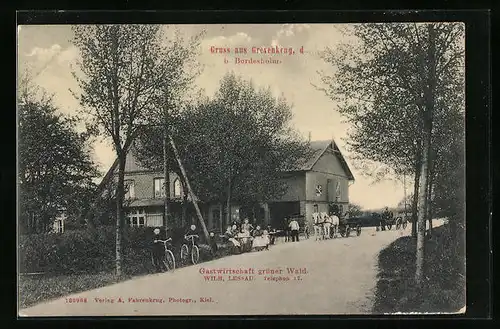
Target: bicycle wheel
{"x": 348, "y": 232}
{"x": 358, "y": 230}
{"x": 398, "y": 224}
{"x": 195, "y": 254}
{"x": 184, "y": 252}
{"x": 405, "y": 223}
{"x": 170, "y": 260}
{"x": 389, "y": 226}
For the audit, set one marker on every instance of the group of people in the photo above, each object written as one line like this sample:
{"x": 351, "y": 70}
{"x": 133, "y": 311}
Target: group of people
{"x": 247, "y": 236}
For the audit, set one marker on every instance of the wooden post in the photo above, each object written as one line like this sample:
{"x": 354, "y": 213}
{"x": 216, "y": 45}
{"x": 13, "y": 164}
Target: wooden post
{"x": 166, "y": 181}
{"x": 193, "y": 197}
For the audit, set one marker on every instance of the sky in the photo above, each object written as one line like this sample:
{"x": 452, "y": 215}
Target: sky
{"x": 47, "y": 52}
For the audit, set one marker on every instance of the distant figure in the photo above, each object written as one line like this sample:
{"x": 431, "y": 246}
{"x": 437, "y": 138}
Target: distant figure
{"x": 158, "y": 249}
{"x": 246, "y": 227}
{"x": 192, "y": 230}
{"x": 335, "y": 222}
{"x": 386, "y": 215}
{"x": 230, "y": 234}
{"x": 318, "y": 226}
{"x": 287, "y": 229}
{"x": 294, "y": 230}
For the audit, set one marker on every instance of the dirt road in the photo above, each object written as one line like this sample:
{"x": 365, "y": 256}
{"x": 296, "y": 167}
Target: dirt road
{"x": 329, "y": 277}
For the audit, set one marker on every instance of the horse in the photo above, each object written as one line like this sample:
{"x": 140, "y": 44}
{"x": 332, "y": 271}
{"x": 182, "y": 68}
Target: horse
{"x": 335, "y": 220}
{"x": 327, "y": 223}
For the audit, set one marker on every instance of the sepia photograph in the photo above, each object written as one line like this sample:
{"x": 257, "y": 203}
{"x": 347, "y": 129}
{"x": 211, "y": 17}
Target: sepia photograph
{"x": 241, "y": 169}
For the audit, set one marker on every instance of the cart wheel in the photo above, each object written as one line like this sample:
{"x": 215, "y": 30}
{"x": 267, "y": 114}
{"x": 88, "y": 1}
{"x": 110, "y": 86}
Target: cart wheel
{"x": 358, "y": 230}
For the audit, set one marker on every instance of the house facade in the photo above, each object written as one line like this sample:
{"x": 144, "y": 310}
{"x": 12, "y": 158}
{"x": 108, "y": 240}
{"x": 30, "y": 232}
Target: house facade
{"x": 322, "y": 182}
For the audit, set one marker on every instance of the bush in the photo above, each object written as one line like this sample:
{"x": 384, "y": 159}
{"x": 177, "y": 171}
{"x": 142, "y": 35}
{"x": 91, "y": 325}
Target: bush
{"x": 84, "y": 251}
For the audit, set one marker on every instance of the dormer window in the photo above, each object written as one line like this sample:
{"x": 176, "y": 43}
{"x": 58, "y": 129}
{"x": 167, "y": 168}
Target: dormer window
{"x": 177, "y": 188}
{"x": 129, "y": 189}
{"x": 159, "y": 187}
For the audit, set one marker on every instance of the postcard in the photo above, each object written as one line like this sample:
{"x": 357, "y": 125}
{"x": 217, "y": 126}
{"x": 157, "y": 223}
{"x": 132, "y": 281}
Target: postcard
{"x": 241, "y": 169}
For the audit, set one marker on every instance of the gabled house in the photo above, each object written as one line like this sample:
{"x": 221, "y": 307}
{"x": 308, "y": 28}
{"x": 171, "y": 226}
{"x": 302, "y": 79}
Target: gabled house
{"x": 317, "y": 185}
{"x": 321, "y": 183}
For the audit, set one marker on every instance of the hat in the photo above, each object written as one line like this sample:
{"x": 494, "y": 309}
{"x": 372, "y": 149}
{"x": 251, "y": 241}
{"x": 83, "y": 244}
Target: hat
{"x": 156, "y": 230}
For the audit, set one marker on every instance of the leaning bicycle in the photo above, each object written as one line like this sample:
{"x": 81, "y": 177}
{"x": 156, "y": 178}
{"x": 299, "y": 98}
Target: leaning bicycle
{"x": 189, "y": 249}
{"x": 167, "y": 261}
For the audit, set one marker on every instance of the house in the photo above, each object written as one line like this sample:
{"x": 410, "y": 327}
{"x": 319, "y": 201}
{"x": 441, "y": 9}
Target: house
{"x": 321, "y": 183}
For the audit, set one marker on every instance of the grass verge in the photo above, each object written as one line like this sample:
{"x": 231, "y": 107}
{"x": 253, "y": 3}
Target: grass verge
{"x": 443, "y": 288}
{"x": 38, "y": 288}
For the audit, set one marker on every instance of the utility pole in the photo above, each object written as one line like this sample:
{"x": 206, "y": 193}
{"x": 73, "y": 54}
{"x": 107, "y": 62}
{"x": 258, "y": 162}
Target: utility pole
{"x": 191, "y": 193}
{"x": 166, "y": 172}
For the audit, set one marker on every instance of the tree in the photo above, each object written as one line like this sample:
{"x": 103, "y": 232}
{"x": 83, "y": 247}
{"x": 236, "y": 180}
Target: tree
{"x": 55, "y": 165}
{"x": 234, "y": 146}
{"x": 124, "y": 69}
{"x": 390, "y": 85}
{"x": 354, "y": 210}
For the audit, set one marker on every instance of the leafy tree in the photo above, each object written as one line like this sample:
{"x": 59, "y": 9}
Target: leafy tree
{"x": 354, "y": 210}
{"x": 234, "y": 146}
{"x": 124, "y": 70}
{"x": 55, "y": 165}
{"x": 392, "y": 85}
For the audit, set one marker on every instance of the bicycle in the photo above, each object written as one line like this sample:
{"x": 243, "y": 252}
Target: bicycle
{"x": 194, "y": 251}
{"x": 168, "y": 259}
{"x": 401, "y": 221}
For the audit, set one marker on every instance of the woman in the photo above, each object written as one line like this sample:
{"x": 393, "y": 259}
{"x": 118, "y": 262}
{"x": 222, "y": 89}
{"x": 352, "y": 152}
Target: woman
{"x": 230, "y": 234}
{"x": 259, "y": 241}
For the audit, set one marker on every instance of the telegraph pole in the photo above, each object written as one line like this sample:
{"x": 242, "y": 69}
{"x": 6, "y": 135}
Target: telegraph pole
{"x": 166, "y": 176}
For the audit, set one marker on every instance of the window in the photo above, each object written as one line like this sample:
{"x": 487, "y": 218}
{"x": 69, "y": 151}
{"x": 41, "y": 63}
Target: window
{"x": 338, "y": 191}
{"x": 129, "y": 189}
{"x": 159, "y": 187}
{"x": 136, "y": 218}
{"x": 59, "y": 226}
{"x": 315, "y": 208}
{"x": 319, "y": 190}
{"x": 177, "y": 188}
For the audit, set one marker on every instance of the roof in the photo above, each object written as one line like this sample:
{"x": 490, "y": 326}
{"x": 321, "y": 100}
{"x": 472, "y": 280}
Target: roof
{"x": 319, "y": 148}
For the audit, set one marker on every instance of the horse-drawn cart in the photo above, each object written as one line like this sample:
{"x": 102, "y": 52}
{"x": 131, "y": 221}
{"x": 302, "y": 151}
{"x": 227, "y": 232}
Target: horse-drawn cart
{"x": 398, "y": 222}
{"x": 346, "y": 226}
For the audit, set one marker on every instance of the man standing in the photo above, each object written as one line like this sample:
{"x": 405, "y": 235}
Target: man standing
{"x": 386, "y": 215}
{"x": 294, "y": 230}
{"x": 318, "y": 227}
